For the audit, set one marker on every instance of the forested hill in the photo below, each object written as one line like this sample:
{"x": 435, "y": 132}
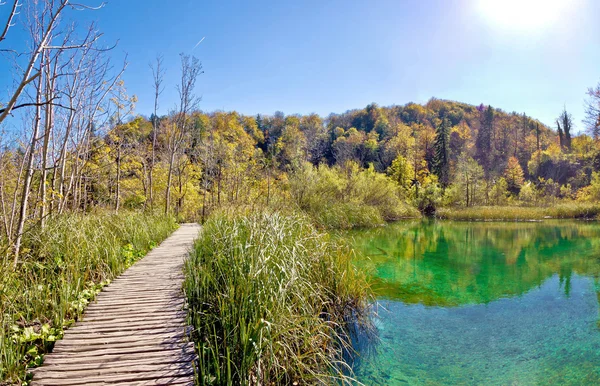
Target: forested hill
{"x": 378, "y": 135}
{"x": 487, "y": 134}
{"x": 477, "y": 155}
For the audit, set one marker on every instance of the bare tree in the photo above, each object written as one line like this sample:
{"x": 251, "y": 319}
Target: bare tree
{"x": 9, "y": 21}
{"x": 42, "y": 70}
{"x": 124, "y": 106}
{"x": 157, "y": 75}
{"x": 28, "y": 172}
{"x": 47, "y": 21}
{"x": 592, "y": 111}
{"x": 179, "y": 128}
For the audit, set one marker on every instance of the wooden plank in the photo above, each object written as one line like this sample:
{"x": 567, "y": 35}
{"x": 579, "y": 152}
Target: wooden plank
{"x": 124, "y": 362}
{"x": 108, "y": 355}
{"x": 126, "y": 330}
{"x": 166, "y": 377}
{"x": 94, "y": 340}
{"x": 137, "y": 308}
{"x": 56, "y": 373}
{"x": 132, "y": 317}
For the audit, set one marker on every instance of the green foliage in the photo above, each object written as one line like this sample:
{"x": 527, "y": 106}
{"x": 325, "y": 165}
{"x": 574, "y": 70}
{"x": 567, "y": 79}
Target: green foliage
{"x": 426, "y": 195}
{"x": 469, "y": 180}
{"x": 591, "y": 193}
{"x": 62, "y": 268}
{"x": 347, "y": 197}
{"x": 272, "y": 301}
{"x": 528, "y": 193}
{"x": 401, "y": 172}
{"x": 499, "y": 192}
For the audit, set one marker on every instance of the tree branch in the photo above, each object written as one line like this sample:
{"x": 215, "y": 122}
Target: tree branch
{"x": 38, "y": 104}
{"x": 11, "y": 16}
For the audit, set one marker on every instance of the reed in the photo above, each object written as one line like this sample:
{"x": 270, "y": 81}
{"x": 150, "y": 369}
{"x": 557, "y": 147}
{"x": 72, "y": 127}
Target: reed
{"x": 571, "y": 210}
{"x": 273, "y": 301}
{"x": 348, "y": 197}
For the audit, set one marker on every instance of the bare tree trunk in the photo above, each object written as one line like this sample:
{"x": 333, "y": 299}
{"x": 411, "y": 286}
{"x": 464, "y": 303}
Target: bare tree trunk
{"x": 180, "y": 196}
{"x": 144, "y": 179}
{"x": 4, "y": 213}
{"x": 49, "y": 94}
{"x": 169, "y": 181}
{"x": 15, "y": 201}
{"x": 219, "y": 186}
{"x": 118, "y": 187}
{"x": 268, "y": 185}
{"x": 204, "y": 206}
{"x": 28, "y": 176}
{"x": 157, "y": 73}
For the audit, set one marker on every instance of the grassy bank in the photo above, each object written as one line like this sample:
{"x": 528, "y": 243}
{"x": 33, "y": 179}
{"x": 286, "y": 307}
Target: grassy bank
{"x": 348, "y": 197}
{"x": 62, "y": 268}
{"x": 272, "y": 301}
{"x": 519, "y": 213}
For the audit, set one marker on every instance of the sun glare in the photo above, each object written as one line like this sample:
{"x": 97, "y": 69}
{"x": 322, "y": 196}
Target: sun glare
{"x": 523, "y": 15}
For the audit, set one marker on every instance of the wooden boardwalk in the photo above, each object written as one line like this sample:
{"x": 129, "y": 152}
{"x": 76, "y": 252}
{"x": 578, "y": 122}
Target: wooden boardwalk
{"x": 135, "y": 333}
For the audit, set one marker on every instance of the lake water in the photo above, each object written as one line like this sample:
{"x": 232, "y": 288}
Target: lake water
{"x": 483, "y": 303}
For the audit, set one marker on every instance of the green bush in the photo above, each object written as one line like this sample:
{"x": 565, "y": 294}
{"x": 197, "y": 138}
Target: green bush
{"x": 348, "y": 197}
{"x": 272, "y": 302}
{"x": 62, "y": 267}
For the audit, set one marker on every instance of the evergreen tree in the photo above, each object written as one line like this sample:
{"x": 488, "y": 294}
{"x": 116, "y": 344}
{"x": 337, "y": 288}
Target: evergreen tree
{"x": 441, "y": 164}
{"x": 567, "y": 125}
{"x": 483, "y": 142}
{"x": 536, "y": 127}
{"x": 561, "y": 139}
{"x": 262, "y": 127}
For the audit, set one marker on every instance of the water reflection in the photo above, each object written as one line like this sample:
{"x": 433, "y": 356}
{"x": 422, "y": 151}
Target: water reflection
{"x": 483, "y": 303}
{"x": 451, "y": 264}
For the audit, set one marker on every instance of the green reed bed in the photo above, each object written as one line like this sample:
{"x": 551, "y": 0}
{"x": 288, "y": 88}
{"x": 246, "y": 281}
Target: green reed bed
{"x": 348, "y": 197}
{"x": 573, "y": 210}
{"x": 61, "y": 268}
{"x": 273, "y": 301}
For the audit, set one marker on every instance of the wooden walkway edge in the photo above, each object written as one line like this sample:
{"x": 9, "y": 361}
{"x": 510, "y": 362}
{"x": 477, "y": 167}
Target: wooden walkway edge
{"x": 135, "y": 332}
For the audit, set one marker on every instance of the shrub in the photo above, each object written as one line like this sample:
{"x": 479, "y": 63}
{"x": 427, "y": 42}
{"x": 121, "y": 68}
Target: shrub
{"x": 347, "y": 197}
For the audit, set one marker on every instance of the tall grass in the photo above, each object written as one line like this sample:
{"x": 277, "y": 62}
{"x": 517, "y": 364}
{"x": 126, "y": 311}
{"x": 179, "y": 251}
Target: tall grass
{"x": 62, "y": 267}
{"x": 348, "y": 197}
{"x": 272, "y": 301}
{"x": 574, "y": 210}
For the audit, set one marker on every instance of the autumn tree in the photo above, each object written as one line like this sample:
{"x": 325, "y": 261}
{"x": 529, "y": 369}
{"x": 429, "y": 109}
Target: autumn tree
{"x": 123, "y": 107}
{"x": 401, "y": 171}
{"x": 513, "y": 174}
{"x": 469, "y": 179}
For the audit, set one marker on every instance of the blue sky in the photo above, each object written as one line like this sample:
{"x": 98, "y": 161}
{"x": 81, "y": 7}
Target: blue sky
{"x": 331, "y": 56}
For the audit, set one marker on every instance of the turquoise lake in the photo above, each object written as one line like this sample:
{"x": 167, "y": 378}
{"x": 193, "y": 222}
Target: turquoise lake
{"x": 482, "y": 303}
